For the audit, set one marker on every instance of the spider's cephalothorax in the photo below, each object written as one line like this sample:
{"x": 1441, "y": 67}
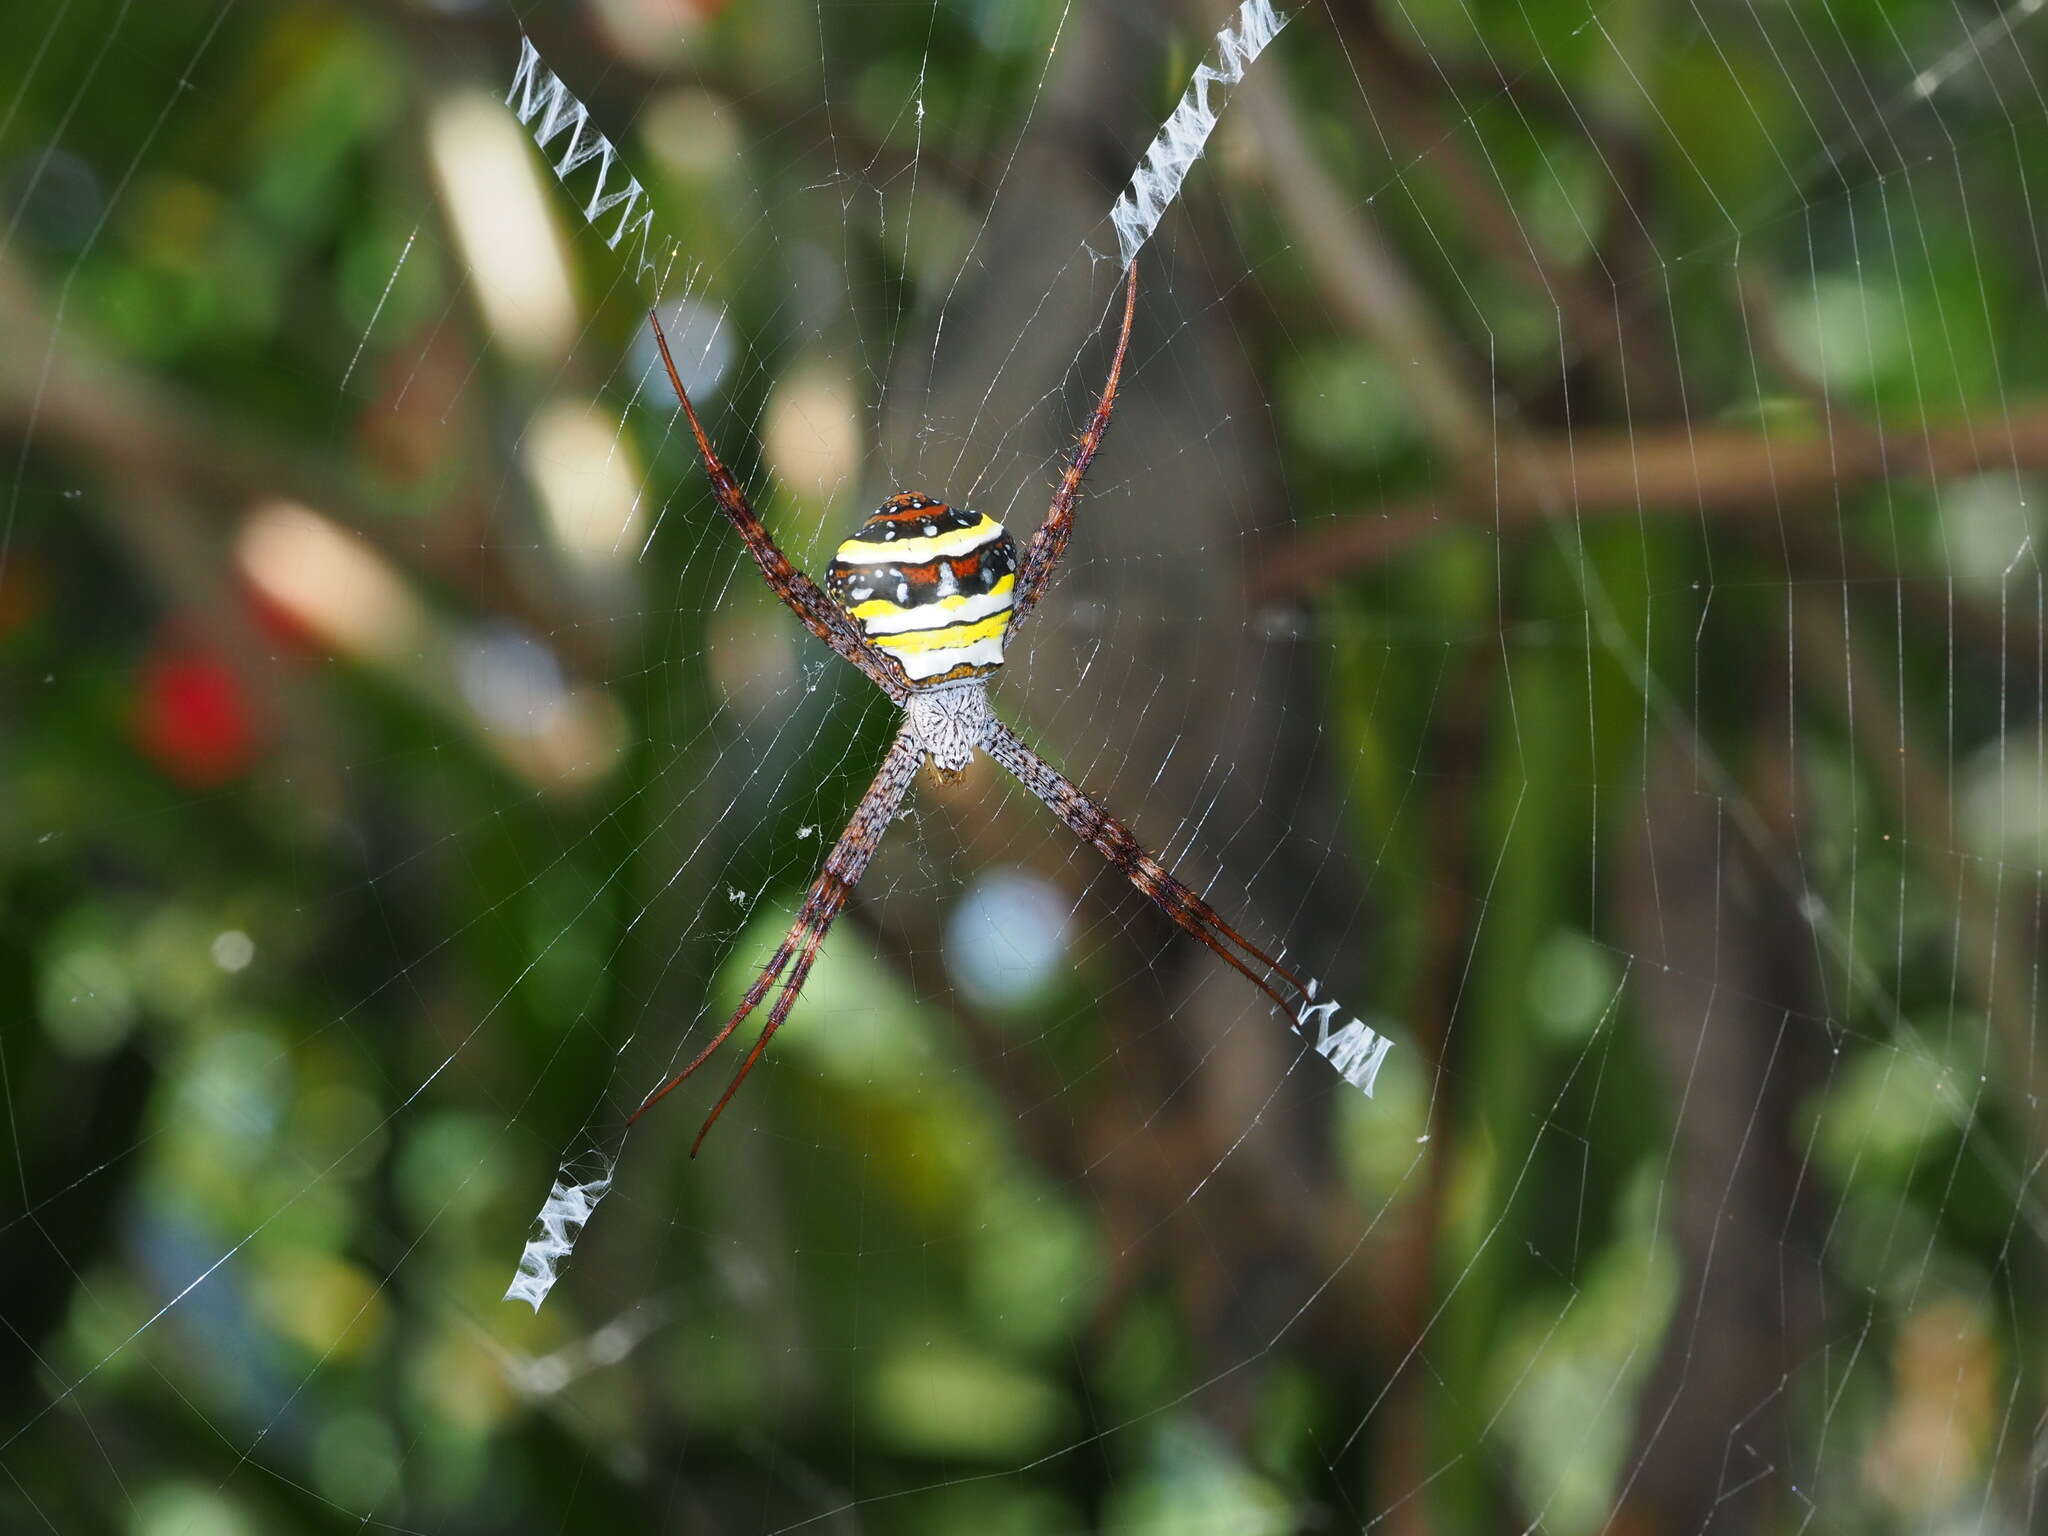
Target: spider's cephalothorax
{"x": 931, "y": 585}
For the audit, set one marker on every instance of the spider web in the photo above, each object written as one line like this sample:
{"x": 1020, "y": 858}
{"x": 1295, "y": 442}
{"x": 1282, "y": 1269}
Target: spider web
{"x": 1561, "y": 572}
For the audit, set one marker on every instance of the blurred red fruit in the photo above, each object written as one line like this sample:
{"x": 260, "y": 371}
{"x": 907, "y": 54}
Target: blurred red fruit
{"x": 193, "y": 717}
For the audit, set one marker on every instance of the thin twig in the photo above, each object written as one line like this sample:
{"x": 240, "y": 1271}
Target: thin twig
{"x": 1364, "y": 281}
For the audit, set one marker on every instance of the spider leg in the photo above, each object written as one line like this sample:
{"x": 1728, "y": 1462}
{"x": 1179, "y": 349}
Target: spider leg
{"x": 1049, "y": 543}
{"x": 806, "y": 954}
{"x": 844, "y": 866}
{"x": 1114, "y": 841}
{"x": 820, "y": 615}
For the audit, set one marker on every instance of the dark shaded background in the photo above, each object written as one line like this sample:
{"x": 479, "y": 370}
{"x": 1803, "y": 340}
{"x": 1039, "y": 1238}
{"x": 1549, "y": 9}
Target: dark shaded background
{"x": 1563, "y": 566}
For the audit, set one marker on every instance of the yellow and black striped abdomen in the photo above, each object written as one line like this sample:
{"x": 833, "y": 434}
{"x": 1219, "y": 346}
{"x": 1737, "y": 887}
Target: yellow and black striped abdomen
{"x": 929, "y": 584}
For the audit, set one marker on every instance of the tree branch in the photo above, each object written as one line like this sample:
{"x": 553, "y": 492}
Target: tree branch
{"x": 1677, "y": 473}
{"x": 58, "y": 388}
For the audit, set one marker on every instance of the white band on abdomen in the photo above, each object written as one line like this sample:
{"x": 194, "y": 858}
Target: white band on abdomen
{"x": 935, "y": 615}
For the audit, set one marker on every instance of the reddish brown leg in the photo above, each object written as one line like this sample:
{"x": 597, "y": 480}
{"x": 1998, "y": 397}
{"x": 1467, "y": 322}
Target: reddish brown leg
{"x": 1042, "y": 554}
{"x": 1114, "y": 842}
{"x": 821, "y": 616}
{"x": 844, "y": 866}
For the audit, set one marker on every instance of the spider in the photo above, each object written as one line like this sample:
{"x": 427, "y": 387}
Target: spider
{"x": 922, "y": 599}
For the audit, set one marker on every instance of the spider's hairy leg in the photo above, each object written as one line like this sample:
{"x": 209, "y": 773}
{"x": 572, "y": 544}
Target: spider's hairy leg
{"x": 820, "y": 615}
{"x": 844, "y": 866}
{"x": 1049, "y": 543}
{"x": 1114, "y": 841}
